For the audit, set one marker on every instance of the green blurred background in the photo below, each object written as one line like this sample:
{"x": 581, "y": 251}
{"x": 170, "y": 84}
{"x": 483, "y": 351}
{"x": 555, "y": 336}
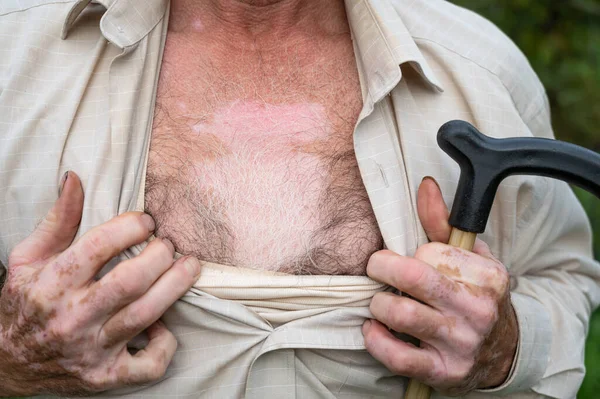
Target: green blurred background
{"x": 561, "y": 38}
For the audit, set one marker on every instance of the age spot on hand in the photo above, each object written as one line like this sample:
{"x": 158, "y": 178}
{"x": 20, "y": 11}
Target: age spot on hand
{"x": 449, "y": 270}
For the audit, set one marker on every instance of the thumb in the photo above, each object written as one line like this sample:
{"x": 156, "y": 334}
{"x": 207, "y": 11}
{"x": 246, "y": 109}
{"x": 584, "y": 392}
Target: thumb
{"x": 432, "y": 210}
{"x": 56, "y": 232}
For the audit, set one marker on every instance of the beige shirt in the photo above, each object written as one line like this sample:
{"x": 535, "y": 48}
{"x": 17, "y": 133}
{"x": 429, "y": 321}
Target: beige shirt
{"x": 77, "y": 89}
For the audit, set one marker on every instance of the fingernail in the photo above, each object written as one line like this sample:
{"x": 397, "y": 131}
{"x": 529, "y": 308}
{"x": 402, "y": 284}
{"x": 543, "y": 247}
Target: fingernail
{"x": 169, "y": 244}
{"x": 148, "y": 221}
{"x": 193, "y": 266}
{"x": 433, "y": 180}
{"x": 366, "y": 326}
{"x": 63, "y": 180}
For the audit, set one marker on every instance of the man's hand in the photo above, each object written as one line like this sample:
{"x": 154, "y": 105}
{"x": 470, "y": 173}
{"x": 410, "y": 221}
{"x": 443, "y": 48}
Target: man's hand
{"x": 64, "y": 333}
{"x": 460, "y": 309}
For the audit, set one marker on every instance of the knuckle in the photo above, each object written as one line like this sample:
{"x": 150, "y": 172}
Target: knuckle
{"x": 412, "y": 274}
{"x": 126, "y": 288}
{"x": 97, "y": 382}
{"x": 140, "y": 317}
{"x": 395, "y": 317}
{"x": 466, "y": 341}
{"x": 437, "y": 374}
{"x": 97, "y": 243}
{"x": 460, "y": 371}
{"x": 157, "y": 369}
{"x": 423, "y": 251}
{"x": 484, "y": 315}
{"x": 63, "y": 331}
{"x": 407, "y": 312}
{"x": 405, "y": 364}
{"x": 500, "y": 280}
{"x": 16, "y": 258}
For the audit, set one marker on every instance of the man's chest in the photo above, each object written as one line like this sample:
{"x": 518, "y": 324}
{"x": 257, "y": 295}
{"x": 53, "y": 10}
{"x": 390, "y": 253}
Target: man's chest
{"x": 252, "y": 163}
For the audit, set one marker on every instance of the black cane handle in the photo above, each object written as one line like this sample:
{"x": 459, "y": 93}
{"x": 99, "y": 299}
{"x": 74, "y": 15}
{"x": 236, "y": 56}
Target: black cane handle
{"x": 484, "y": 162}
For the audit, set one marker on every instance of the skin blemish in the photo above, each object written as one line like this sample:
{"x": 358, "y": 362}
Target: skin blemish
{"x": 91, "y": 295}
{"x": 451, "y": 252}
{"x": 479, "y": 292}
{"x": 58, "y": 295}
{"x": 449, "y": 270}
{"x": 67, "y": 267}
{"x": 197, "y": 25}
{"x": 123, "y": 373}
{"x": 445, "y": 288}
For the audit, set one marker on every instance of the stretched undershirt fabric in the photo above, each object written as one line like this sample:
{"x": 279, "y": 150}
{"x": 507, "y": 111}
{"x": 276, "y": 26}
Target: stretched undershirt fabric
{"x": 255, "y": 334}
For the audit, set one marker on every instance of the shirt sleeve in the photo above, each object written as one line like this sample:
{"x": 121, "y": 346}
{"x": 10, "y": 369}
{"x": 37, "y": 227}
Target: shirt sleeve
{"x": 555, "y": 286}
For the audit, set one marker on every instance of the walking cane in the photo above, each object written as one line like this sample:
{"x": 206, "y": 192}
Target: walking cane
{"x": 484, "y": 162}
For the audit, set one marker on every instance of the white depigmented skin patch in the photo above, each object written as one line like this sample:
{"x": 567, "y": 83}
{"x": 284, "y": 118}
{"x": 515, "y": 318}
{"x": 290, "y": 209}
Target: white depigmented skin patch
{"x": 259, "y": 170}
{"x": 259, "y": 180}
{"x": 197, "y": 25}
{"x": 182, "y": 106}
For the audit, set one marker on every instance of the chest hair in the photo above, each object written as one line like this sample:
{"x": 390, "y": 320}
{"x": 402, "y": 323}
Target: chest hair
{"x": 253, "y": 165}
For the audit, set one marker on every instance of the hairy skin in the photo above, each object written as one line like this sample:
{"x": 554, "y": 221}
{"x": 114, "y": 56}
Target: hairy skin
{"x": 251, "y": 161}
{"x": 63, "y": 332}
{"x": 459, "y": 307}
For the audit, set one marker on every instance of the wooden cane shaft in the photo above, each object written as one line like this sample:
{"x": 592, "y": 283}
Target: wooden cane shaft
{"x": 460, "y": 239}
{"x": 417, "y": 390}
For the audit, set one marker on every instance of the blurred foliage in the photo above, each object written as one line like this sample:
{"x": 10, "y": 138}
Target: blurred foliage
{"x": 561, "y": 39}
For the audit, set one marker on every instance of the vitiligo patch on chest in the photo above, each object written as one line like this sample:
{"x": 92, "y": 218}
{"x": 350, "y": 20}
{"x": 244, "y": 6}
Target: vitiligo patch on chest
{"x": 263, "y": 186}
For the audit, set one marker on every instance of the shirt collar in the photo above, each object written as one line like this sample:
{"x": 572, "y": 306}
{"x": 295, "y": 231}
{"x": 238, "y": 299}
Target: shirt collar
{"x": 382, "y": 43}
{"x": 125, "y": 22}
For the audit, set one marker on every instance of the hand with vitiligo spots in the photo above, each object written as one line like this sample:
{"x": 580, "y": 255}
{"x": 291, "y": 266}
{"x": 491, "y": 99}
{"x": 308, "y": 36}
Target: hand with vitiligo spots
{"x": 62, "y": 331}
{"x": 458, "y": 305}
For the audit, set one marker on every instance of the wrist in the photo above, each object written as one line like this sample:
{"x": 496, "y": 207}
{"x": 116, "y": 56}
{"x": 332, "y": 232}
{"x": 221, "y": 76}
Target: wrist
{"x": 507, "y": 336}
{"x": 9, "y": 386}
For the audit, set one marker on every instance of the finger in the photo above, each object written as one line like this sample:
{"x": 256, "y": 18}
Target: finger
{"x": 104, "y": 242}
{"x": 130, "y": 279}
{"x": 405, "y": 315}
{"x": 398, "y": 356}
{"x": 434, "y": 215}
{"x": 413, "y": 276}
{"x": 433, "y": 211}
{"x": 138, "y": 315}
{"x": 148, "y": 364}
{"x": 480, "y": 269}
{"x": 56, "y": 232}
